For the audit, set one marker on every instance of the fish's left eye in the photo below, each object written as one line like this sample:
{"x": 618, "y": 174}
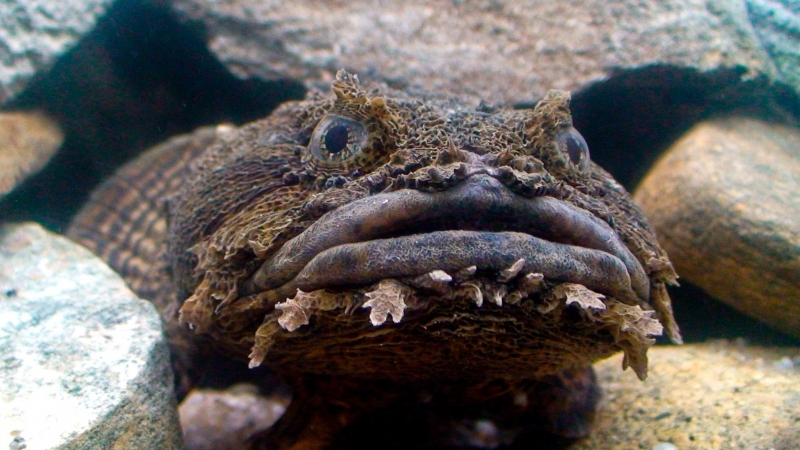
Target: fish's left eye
{"x": 337, "y": 139}
{"x": 573, "y": 145}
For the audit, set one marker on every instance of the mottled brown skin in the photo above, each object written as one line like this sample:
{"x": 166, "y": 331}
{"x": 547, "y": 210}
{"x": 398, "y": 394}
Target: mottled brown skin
{"x": 506, "y": 261}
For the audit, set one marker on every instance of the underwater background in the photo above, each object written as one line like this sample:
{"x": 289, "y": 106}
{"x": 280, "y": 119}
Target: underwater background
{"x": 98, "y": 83}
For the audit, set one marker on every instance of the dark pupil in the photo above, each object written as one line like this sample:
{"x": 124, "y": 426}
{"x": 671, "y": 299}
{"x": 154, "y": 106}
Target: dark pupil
{"x": 336, "y": 139}
{"x": 574, "y": 149}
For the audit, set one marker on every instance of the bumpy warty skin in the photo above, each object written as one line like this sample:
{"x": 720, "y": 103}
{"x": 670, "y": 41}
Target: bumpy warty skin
{"x": 251, "y": 193}
{"x": 370, "y": 246}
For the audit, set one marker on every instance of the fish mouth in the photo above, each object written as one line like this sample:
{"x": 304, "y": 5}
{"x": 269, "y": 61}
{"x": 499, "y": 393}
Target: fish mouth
{"x": 478, "y": 222}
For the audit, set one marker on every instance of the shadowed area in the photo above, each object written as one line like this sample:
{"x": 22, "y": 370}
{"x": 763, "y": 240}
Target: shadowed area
{"x": 139, "y": 77}
{"x": 630, "y": 118}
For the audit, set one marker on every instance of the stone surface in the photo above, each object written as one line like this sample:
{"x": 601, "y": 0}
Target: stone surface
{"x": 724, "y": 202}
{"x": 777, "y": 25}
{"x": 27, "y": 141}
{"x": 222, "y": 420}
{"x": 83, "y": 362}
{"x": 501, "y": 51}
{"x": 717, "y": 395}
{"x": 34, "y": 33}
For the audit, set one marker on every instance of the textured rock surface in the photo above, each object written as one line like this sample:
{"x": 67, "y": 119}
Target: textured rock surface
{"x": 27, "y": 141}
{"x": 724, "y": 201}
{"x": 705, "y": 396}
{"x": 777, "y": 25}
{"x": 498, "y": 50}
{"x": 34, "y": 33}
{"x": 222, "y": 420}
{"x": 83, "y": 361}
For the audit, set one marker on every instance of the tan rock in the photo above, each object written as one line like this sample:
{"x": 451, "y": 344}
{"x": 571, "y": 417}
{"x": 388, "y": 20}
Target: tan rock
{"x": 705, "y": 396}
{"x": 725, "y": 202}
{"x": 27, "y": 141}
{"x": 221, "y": 420}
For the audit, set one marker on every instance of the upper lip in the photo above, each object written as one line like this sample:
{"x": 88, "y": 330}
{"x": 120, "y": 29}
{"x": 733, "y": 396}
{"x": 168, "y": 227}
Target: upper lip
{"x": 480, "y": 204}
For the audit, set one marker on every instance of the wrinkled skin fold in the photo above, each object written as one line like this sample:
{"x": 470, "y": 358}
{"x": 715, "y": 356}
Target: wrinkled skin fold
{"x": 472, "y": 204}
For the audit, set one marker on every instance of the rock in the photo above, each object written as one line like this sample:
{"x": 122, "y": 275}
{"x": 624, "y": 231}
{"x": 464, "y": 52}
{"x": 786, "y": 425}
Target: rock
{"x": 500, "y": 51}
{"x": 84, "y": 361}
{"x": 27, "y": 141}
{"x": 221, "y": 420}
{"x": 702, "y": 396}
{"x": 777, "y": 25}
{"x": 724, "y": 202}
{"x": 34, "y": 33}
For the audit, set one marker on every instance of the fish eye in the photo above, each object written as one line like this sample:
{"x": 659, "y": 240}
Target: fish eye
{"x": 337, "y": 139}
{"x": 574, "y": 145}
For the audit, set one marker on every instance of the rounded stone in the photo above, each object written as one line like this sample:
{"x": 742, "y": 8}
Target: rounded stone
{"x": 696, "y": 397}
{"x": 83, "y": 361}
{"x": 724, "y": 202}
{"x": 221, "y": 420}
{"x": 27, "y": 142}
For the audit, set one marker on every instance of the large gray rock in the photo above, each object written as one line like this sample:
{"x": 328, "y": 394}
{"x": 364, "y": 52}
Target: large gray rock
{"x": 501, "y": 51}
{"x": 718, "y": 395}
{"x": 34, "y": 33}
{"x": 83, "y": 362}
{"x": 725, "y": 202}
